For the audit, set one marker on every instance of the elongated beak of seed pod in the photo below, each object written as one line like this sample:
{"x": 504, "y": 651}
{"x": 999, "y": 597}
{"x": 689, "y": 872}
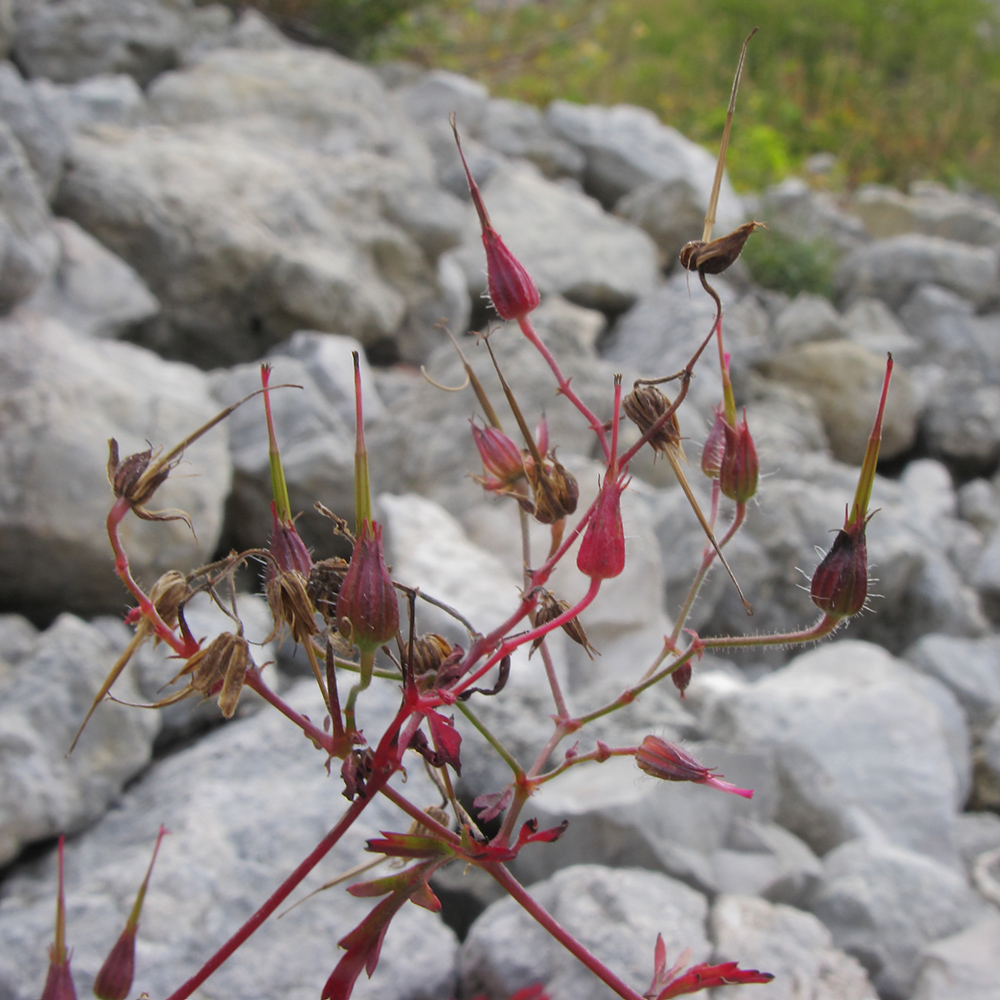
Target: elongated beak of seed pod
{"x": 512, "y": 290}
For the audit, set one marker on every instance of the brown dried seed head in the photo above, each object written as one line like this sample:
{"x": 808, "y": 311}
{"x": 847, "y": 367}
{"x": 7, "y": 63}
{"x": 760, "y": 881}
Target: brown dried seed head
{"x": 644, "y": 405}
{"x": 236, "y": 671}
{"x": 718, "y": 255}
{"x": 220, "y": 666}
{"x": 288, "y": 598}
{"x": 136, "y": 477}
{"x": 554, "y": 489}
{"x": 429, "y": 652}
{"x": 550, "y": 607}
{"x": 323, "y": 585}
{"x": 169, "y": 595}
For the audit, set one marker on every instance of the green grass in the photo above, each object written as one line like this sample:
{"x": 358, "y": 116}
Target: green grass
{"x": 897, "y": 89}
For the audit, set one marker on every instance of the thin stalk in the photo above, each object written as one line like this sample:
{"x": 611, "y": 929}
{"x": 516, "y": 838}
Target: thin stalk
{"x": 584, "y": 758}
{"x": 554, "y": 686}
{"x": 277, "y": 897}
{"x": 418, "y": 814}
{"x": 570, "y": 943}
{"x": 707, "y": 558}
{"x": 508, "y": 646}
{"x": 484, "y": 731}
{"x": 255, "y": 682}
{"x": 182, "y": 647}
{"x": 564, "y": 387}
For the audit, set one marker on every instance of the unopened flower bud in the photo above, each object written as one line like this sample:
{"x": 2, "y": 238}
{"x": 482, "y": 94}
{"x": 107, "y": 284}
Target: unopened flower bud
{"x": 682, "y": 677}
{"x": 286, "y": 546}
{"x": 114, "y": 981}
{"x": 367, "y": 598}
{"x": 740, "y": 467}
{"x": 669, "y": 762}
{"x": 59, "y": 979}
{"x": 602, "y": 549}
{"x": 840, "y": 584}
{"x": 644, "y": 406}
{"x": 503, "y": 463}
{"x": 512, "y": 290}
{"x": 715, "y": 445}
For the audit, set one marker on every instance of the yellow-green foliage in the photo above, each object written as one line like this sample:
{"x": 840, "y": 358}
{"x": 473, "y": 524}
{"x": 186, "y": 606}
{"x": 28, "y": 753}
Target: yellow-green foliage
{"x": 897, "y": 89}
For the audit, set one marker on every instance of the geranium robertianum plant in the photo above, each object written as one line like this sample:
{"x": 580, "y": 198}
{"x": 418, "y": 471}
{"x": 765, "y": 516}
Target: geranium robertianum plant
{"x": 346, "y": 613}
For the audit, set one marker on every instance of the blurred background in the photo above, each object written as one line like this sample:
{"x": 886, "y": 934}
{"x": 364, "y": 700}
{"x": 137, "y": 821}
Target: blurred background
{"x": 895, "y": 90}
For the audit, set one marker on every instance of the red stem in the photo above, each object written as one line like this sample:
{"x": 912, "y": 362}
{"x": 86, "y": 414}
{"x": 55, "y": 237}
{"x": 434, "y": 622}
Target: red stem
{"x": 385, "y": 765}
{"x": 570, "y": 943}
{"x": 564, "y": 387}
{"x": 184, "y": 648}
{"x": 255, "y": 682}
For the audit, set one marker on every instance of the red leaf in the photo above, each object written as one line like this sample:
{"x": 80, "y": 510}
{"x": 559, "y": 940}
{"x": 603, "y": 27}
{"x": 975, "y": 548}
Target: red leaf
{"x": 364, "y": 943}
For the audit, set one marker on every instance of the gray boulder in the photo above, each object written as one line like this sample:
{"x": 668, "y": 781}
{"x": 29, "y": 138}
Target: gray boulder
{"x": 808, "y": 319}
{"x": 42, "y": 133}
{"x": 845, "y": 380}
{"x": 435, "y": 95}
{"x": 964, "y": 965}
{"x": 870, "y": 323}
{"x": 29, "y": 247}
{"x": 627, "y": 147}
{"x": 303, "y": 246}
{"x": 244, "y": 807}
{"x": 300, "y": 96}
{"x": 970, "y": 668}
{"x": 800, "y": 214}
{"x": 615, "y": 913}
{"x": 107, "y": 99}
{"x": 793, "y": 946}
{"x": 91, "y": 290}
{"x": 891, "y": 269}
{"x": 883, "y": 904}
{"x": 46, "y": 693}
{"x": 62, "y": 396}
{"x": 929, "y": 208}
{"x": 860, "y": 746}
{"x": 520, "y": 130}
{"x": 951, "y": 331}
{"x": 68, "y": 41}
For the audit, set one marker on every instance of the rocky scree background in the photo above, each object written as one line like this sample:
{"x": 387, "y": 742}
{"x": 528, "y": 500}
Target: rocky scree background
{"x": 183, "y": 193}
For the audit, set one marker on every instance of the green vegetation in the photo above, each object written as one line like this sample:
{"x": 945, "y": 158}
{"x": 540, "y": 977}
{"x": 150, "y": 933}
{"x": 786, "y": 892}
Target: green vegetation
{"x": 897, "y": 89}
{"x": 348, "y": 26}
{"x": 791, "y": 266}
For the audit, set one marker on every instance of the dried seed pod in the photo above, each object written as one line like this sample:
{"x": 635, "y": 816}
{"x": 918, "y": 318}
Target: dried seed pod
{"x": 429, "y": 651}
{"x": 323, "y": 586}
{"x": 554, "y": 489}
{"x": 644, "y": 405}
{"x": 288, "y": 598}
{"x": 548, "y": 608}
{"x": 221, "y": 667}
{"x": 718, "y": 255}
